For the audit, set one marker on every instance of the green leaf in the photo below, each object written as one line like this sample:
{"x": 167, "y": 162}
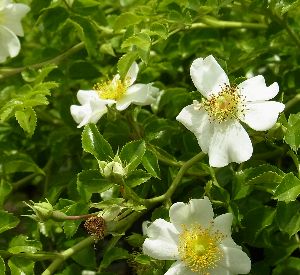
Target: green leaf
{"x": 256, "y": 220}
{"x": 159, "y": 29}
{"x": 20, "y": 243}
{"x": 266, "y": 176}
{"x": 112, "y": 255}
{"x": 87, "y": 33}
{"x": 28, "y": 97}
{"x": 132, "y": 154}
{"x": 2, "y": 266}
{"x": 288, "y": 189}
{"x": 85, "y": 257}
{"x": 43, "y": 73}
{"x": 8, "y": 221}
{"x": 107, "y": 49}
{"x": 126, "y": 19}
{"x": 142, "y": 42}
{"x": 94, "y": 143}
{"x": 136, "y": 240}
{"x": 125, "y": 62}
{"x": 27, "y": 120}
{"x": 292, "y": 134}
{"x": 150, "y": 163}
{"x": 136, "y": 178}
{"x": 78, "y": 208}
{"x": 19, "y": 163}
{"x": 290, "y": 266}
{"x": 288, "y": 217}
{"x": 91, "y": 181}
{"x": 20, "y": 266}
{"x": 5, "y": 189}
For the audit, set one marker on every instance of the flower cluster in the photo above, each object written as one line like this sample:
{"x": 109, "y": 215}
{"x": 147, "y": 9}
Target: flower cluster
{"x": 11, "y": 27}
{"x": 200, "y": 243}
{"x": 119, "y": 92}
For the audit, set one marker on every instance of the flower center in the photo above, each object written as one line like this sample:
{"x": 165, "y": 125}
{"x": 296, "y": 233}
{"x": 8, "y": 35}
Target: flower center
{"x": 227, "y": 104}
{"x": 199, "y": 248}
{"x": 112, "y": 89}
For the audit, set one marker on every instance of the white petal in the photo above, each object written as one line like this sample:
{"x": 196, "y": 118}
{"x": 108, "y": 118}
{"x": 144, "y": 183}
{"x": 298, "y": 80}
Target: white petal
{"x": 162, "y": 241}
{"x": 139, "y": 94}
{"x": 255, "y": 88}
{"x": 219, "y": 270}
{"x": 197, "y": 121}
{"x": 9, "y": 44}
{"x": 4, "y": 3}
{"x": 85, "y": 96}
{"x": 12, "y": 15}
{"x": 179, "y": 269}
{"x": 92, "y": 109}
{"x": 223, "y": 223}
{"x": 145, "y": 226}
{"x": 132, "y": 74}
{"x": 235, "y": 260}
{"x": 230, "y": 143}
{"x": 197, "y": 211}
{"x": 208, "y": 76}
{"x": 261, "y": 116}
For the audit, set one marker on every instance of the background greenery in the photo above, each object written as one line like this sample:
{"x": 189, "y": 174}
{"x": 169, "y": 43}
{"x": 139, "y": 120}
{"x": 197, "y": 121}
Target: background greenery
{"x": 71, "y": 45}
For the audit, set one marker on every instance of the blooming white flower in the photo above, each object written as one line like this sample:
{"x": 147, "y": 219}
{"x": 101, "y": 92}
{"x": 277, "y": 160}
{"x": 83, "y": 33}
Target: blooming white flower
{"x": 92, "y": 107}
{"x": 126, "y": 92}
{"x": 215, "y": 121}
{"x": 10, "y": 26}
{"x": 122, "y": 93}
{"x": 200, "y": 243}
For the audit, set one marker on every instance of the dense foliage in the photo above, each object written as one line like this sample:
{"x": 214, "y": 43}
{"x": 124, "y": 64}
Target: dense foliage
{"x": 54, "y": 175}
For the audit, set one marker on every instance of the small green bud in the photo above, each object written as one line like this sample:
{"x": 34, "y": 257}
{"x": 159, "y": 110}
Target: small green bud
{"x": 112, "y": 169}
{"x": 42, "y": 210}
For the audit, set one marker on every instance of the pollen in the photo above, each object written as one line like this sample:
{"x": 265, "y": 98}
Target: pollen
{"x": 199, "y": 248}
{"x": 112, "y": 89}
{"x": 228, "y": 104}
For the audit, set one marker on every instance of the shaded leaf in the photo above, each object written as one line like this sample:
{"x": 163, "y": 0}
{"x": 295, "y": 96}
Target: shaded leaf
{"x": 8, "y": 221}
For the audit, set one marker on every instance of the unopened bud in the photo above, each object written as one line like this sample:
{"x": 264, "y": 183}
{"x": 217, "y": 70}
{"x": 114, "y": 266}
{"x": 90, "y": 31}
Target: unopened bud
{"x": 42, "y": 210}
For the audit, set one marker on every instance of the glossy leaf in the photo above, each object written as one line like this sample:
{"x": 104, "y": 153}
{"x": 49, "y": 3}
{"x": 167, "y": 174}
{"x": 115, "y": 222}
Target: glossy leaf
{"x": 132, "y": 154}
{"x": 94, "y": 143}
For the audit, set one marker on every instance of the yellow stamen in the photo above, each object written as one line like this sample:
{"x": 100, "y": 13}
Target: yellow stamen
{"x": 111, "y": 89}
{"x": 199, "y": 248}
{"x": 228, "y": 104}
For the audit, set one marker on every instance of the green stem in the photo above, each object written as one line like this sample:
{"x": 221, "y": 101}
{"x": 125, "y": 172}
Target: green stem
{"x": 176, "y": 180}
{"x": 73, "y": 218}
{"x": 6, "y": 72}
{"x": 214, "y": 23}
{"x": 64, "y": 255}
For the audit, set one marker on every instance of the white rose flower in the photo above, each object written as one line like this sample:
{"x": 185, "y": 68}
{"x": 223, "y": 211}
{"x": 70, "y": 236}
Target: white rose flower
{"x": 215, "y": 121}
{"x": 200, "y": 243}
{"x": 122, "y": 93}
{"x": 92, "y": 107}
{"x": 126, "y": 92}
{"x": 10, "y": 26}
